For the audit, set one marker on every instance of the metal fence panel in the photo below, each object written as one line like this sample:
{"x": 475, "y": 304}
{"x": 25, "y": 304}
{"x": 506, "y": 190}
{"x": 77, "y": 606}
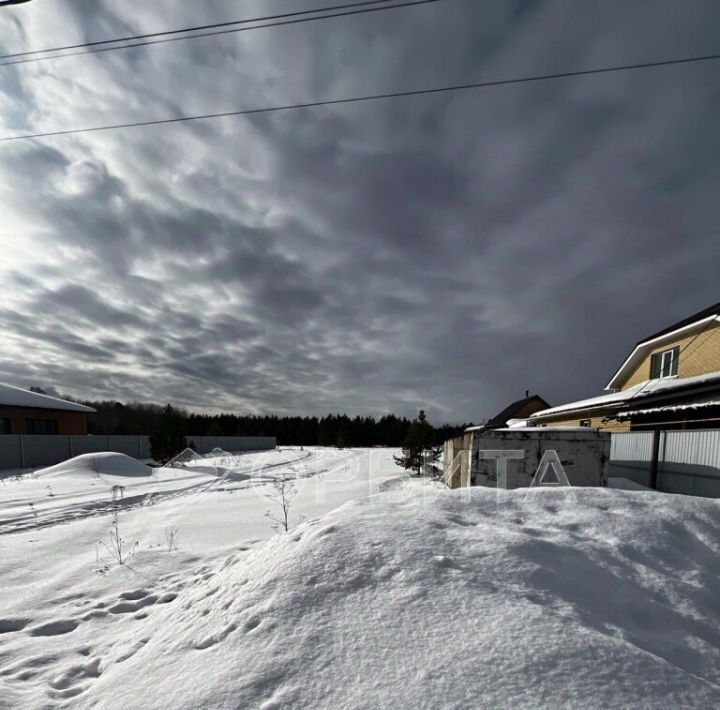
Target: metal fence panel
{"x": 710, "y": 488}
{"x": 11, "y": 455}
{"x": 45, "y": 450}
{"x": 688, "y": 461}
{"x": 130, "y": 445}
{"x": 631, "y": 446}
{"x": 639, "y": 472}
{"x": 89, "y": 444}
{"x": 205, "y": 444}
{"x": 36, "y": 451}
{"x": 700, "y": 448}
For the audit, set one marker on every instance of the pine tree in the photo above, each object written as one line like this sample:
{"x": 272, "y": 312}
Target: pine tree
{"x": 169, "y": 440}
{"x": 419, "y": 438}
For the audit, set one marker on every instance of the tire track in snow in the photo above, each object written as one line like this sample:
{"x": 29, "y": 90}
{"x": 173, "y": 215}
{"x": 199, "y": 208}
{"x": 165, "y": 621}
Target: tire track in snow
{"x": 34, "y": 519}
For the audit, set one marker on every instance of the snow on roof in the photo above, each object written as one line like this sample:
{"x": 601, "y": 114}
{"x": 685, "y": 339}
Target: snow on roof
{"x": 510, "y": 423}
{"x": 640, "y": 391}
{"x": 544, "y": 430}
{"x": 670, "y": 408}
{"x": 517, "y": 423}
{"x": 11, "y": 396}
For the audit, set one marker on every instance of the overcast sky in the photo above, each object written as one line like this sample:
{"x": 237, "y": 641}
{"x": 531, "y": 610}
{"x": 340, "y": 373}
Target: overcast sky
{"x": 445, "y": 252}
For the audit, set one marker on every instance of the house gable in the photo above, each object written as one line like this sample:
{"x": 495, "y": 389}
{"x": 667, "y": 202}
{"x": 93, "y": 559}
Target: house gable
{"x": 684, "y": 334}
{"x": 521, "y": 409}
{"x": 698, "y": 354}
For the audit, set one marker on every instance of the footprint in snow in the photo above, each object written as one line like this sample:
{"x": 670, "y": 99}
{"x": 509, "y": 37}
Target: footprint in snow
{"x": 55, "y": 628}
{"x": 138, "y": 600}
{"x": 214, "y": 639}
{"x": 9, "y": 625}
{"x": 252, "y": 623}
{"x": 95, "y": 614}
{"x": 68, "y": 679}
{"x": 135, "y": 595}
{"x": 28, "y": 668}
{"x": 130, "y": 650}
{"x": 129, "y": 607}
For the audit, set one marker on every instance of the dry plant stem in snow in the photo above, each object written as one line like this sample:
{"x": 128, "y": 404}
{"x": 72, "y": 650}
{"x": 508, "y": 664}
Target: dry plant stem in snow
{"x": 171, "y": 535}
{"x": 115, "y": 544}
{"x": 284, "y": 490}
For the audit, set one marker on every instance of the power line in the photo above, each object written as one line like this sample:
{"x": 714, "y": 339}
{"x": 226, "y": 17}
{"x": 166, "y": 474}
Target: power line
{"x": 288, "y": 18}
{"x": 195, "y": 28}
{"x": 372, "y": 97}
{"x": 681, "y": 350}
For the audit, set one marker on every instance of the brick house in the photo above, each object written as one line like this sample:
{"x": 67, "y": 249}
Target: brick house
{"x": 670, "y": 380}
{"x": 26, "y": 412}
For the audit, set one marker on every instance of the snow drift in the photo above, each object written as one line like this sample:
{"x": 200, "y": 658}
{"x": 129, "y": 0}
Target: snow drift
{"x": 612, "y": 600}
{"x": 106, "y": 463}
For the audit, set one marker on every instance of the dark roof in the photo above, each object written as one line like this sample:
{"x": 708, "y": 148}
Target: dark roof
{"x": 712, "y": 311}
{"x": 510, "y": 412}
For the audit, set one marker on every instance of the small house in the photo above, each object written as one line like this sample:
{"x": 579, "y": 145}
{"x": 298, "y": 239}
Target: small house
{"x": 26, "y": 412}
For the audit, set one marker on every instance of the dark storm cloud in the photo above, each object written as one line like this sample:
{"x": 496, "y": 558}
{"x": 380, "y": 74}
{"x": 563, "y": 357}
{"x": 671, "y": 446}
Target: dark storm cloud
{"x": 82, "y": 304}
{"x": 444, "y": 252}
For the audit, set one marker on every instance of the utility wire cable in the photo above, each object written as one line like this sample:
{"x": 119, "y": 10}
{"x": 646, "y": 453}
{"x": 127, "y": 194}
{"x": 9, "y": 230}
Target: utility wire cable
{"x": 693, "y": 341}
{"x": 195, "y": 28}
{"x": 371, "y": 97}
{"x": 221, "y": 28}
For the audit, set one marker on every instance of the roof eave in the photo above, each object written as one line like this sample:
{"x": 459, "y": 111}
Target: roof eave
{"x": 80, "y": 409}
{"x": 642, "y": 346}
{"x": 540, "y": 416}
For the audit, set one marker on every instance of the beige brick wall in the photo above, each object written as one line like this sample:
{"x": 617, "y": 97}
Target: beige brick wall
{"x": 699, "y": 354}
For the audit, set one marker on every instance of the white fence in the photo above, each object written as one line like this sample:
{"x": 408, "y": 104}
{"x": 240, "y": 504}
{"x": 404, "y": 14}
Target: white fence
{"x": 33, "y": 451}
{"x": 688, "y": 461}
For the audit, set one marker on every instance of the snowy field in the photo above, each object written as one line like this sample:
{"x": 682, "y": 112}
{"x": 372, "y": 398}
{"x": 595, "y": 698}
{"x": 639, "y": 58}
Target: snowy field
{"x": 412, "y": 597}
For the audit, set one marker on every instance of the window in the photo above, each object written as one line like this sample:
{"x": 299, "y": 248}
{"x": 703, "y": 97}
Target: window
{"x": 41, "y": 426}
{"x": 5, "y": 425}
{"x": 585, "y": 422}
{"x": 664, "y": 364}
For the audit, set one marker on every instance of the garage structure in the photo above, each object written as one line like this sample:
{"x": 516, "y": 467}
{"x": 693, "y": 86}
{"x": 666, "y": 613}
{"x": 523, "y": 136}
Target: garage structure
{"x": 473, "y": 458}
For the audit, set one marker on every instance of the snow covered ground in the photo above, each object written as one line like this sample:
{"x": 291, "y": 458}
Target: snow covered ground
{"x": 412, "y": 597}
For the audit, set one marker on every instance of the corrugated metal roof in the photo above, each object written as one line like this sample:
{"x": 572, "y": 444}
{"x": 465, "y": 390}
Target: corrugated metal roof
{"x": 639, "y": 392}
{"x": 669, "y": 408}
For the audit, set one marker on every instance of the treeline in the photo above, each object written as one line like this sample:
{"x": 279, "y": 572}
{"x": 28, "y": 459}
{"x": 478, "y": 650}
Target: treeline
{"x": 331, "y": 430}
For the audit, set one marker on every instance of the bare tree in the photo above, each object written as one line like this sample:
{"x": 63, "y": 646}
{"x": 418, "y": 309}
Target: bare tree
{"x": 284, "y": 490}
